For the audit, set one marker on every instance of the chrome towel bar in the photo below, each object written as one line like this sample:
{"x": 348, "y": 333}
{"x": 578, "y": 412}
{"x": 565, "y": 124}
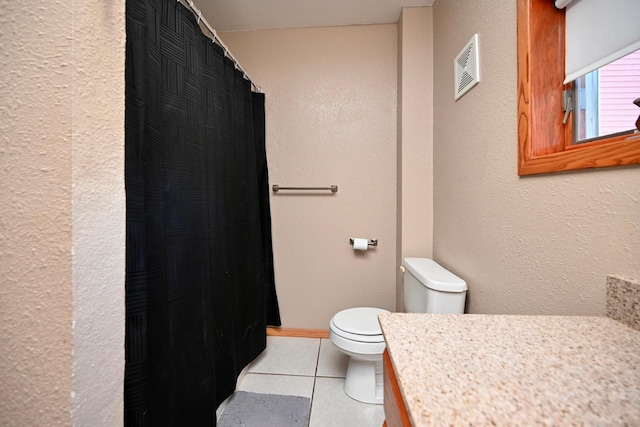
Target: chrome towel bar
{"x": 333, "y": 188}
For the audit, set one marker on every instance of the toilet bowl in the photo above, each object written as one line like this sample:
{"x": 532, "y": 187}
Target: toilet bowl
{"x": 428, "y": 288}
{"x": 356, "y": 332}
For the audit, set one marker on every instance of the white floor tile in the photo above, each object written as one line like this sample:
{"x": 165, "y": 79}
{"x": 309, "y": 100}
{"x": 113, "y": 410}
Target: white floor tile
{"x": 332, "y": 407}
{"x": 288, "y": 355}
{"x": 332, "y": 362}
{"x": 277, "y": 384}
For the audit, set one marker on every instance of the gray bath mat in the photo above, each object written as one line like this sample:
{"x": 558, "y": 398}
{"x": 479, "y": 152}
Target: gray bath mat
{"x": 265, "y": 410}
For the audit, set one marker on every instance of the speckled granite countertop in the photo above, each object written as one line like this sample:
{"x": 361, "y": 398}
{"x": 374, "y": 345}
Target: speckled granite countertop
{"x": 515, "y": 370}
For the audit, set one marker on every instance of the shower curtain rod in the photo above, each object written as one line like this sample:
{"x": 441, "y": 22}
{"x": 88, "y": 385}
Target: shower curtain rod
{"x": 189, "y": 4}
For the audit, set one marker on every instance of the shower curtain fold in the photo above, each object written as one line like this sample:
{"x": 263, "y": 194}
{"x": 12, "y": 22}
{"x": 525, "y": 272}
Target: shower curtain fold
{"x": 199, "y": 277}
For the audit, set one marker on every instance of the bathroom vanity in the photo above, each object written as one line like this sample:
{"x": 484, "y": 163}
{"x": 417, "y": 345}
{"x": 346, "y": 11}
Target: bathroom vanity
{"x": 443, "y": 369}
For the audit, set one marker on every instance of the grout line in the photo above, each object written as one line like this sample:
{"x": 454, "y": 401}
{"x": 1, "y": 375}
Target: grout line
{"x": 315, "y": 376}
{"x": 281, "y": 374}
{"x": 315, "y": 373}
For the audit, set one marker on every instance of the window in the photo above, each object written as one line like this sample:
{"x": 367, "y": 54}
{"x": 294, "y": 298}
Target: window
{"x": 545, "y": 144}
{"x": 603, "y": 100}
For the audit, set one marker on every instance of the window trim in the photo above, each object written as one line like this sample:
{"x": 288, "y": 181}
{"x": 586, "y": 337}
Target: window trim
{"x": 544, "y": 143}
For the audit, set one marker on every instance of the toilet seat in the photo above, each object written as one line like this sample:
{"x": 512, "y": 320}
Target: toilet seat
{"x": 358, "y": 324}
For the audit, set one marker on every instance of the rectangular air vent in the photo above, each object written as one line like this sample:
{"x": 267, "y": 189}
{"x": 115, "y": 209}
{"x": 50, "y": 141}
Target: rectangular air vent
{"x": 466, "y": 68}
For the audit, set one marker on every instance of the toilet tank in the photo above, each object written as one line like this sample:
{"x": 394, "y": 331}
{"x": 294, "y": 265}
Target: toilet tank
{"x": 430, "y": 288}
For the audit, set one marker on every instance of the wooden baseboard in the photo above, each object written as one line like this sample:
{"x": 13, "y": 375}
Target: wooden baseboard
{"x": 295, "y": 332}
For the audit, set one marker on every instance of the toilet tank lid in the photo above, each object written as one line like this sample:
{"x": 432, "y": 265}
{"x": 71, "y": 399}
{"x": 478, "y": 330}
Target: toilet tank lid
{"x": 434, "y": 276}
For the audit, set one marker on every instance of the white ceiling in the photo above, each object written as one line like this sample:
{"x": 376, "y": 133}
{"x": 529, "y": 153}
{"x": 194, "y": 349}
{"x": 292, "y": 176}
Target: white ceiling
{"x": 239, "y": 15}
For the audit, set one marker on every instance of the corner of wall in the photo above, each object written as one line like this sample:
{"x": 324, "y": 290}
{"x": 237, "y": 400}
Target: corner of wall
{"x": 399, "y": 277}
{"x": 415, "y": 138}
{"x": 98, "y": 218}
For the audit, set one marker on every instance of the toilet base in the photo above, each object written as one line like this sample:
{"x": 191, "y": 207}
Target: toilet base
{"x": 364, "y": 381}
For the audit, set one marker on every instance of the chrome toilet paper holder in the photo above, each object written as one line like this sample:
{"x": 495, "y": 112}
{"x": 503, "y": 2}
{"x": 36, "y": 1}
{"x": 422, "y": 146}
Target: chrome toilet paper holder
{"x": 371, "y": 242}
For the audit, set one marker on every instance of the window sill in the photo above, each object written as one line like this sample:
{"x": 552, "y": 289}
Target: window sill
{"x": 600, "y": 154}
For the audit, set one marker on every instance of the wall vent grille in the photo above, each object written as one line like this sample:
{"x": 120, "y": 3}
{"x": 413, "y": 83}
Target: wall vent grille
{"x": 466, "y": 68}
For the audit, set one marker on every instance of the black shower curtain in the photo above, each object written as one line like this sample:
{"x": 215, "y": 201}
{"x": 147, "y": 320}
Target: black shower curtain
{"x": 199, "y": 273}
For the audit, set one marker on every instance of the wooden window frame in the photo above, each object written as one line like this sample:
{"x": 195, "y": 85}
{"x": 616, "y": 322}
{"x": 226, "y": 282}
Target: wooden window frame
{"x": 545, "y": 144}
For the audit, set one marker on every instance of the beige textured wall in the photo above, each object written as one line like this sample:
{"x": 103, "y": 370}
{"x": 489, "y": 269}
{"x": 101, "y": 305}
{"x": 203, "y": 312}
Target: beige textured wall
{"x": 415, "y": 138}
{"x": 35, "y": 215}
{"x": 331, "y": 119}
{"x": 98, "y": 212}
{"x": 62, "y": 213}
{"x": 534, "y": 245}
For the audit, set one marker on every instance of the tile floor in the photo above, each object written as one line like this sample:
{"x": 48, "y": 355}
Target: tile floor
{"x": 310, "y": 367}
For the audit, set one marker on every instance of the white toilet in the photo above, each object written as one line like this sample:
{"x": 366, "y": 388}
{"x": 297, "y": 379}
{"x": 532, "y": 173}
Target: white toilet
{"x": 428, "y": 288}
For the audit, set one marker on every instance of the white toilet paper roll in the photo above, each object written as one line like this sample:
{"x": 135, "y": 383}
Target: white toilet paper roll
{"x": 360, "y": 244}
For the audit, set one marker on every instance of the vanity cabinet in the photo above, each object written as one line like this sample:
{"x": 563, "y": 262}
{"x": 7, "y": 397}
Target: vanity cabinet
{"x": 395, "y": 412}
